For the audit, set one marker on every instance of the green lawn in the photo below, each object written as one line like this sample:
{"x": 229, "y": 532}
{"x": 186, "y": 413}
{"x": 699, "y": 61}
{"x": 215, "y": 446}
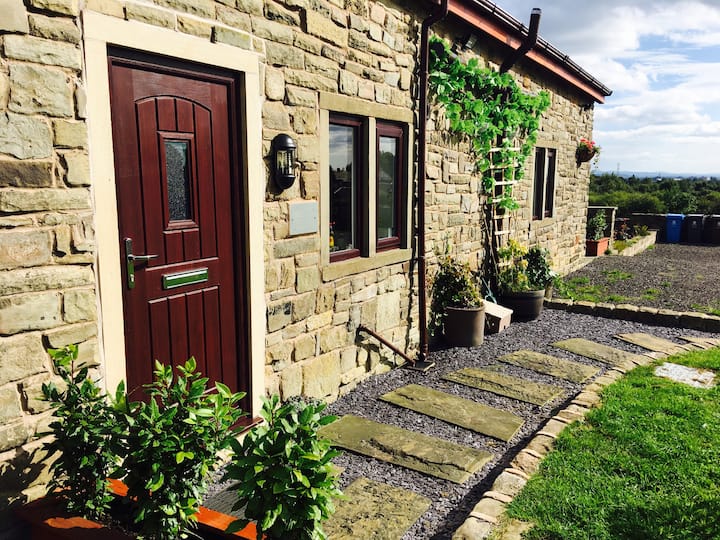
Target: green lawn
{"x": 645, "y": 465}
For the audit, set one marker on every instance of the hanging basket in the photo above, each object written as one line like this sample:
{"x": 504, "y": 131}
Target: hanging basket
{"x": 584, "y": 154}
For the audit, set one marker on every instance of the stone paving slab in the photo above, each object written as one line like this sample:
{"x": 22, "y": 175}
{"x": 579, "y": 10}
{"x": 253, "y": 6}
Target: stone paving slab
{"x": 698, "y": 378}
{"x": 600, "y": 352}
{"x": 456, "y": 410}
{"x": 703, "y": 342}
{"x": 374, "y": 511}
{"x": 551, "y": 365}
{"x": 505, "y": 385}
{"x": 652, "y": 343}
{"x": 428, "y": 455}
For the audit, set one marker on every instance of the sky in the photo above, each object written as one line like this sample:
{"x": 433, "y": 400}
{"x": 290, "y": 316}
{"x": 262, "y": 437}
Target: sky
{"x": 661, "y": 58}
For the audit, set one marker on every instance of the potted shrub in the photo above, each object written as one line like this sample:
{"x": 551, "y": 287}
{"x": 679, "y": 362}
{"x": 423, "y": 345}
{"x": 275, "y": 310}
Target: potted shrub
{"x": 163, "y": 449}
{"x": 522, "y": 284}
{"x": 596, "y": 242}
{"x": 539, "y": 270}
{"x": 457, "y": 306}
{"x": 286, "y": 482}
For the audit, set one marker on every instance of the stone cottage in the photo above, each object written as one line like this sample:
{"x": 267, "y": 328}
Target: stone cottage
{"x": 140, "y": 217}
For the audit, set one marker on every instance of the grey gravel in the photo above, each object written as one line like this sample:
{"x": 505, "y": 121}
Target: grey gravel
{"x": 681, "y": 277}
{"x": 451, "y": 503}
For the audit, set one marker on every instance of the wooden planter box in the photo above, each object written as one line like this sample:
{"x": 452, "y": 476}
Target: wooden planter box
{"x": 46, "y": 520}
{"x": 595, "y": 248}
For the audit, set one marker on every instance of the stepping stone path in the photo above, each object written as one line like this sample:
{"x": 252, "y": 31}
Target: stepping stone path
{"x": 653, "y": 343}
{"x": 456, "y": 410}
{"x": 374, "y": 511}
{"x": 551, "y": 365}
{"x": 429, "y": 455}
{"x": 597, "y": 351}
{"x": 505, "y": 385}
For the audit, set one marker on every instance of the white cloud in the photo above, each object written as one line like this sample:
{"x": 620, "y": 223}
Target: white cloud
{"x": 660, "y": 57}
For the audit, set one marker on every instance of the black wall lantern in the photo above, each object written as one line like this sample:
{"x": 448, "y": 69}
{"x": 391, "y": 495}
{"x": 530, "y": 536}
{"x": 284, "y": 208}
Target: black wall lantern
{"x": 283, "y": 156}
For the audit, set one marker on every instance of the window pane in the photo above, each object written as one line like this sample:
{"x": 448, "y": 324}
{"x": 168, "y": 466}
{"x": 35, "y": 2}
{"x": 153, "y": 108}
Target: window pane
{"x": 550, "y": 183}
{"x": 387, "y": 187}
{"x": 343, "y": 172}
{"x": 178, "y": 179}
{"x": 539, "y": 183}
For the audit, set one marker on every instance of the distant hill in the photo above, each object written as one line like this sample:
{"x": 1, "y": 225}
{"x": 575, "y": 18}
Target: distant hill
{"x": 659, "y": 174}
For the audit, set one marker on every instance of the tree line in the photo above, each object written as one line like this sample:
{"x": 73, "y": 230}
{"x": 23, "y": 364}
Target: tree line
{"x": 655, "y": 196}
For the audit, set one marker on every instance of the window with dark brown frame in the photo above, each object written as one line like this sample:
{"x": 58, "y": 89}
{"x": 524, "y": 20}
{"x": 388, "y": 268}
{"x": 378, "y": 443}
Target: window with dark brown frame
{"x": 346, "y": 227}
{"x": 389, "y": 185}
{"x": 544, "y": 183}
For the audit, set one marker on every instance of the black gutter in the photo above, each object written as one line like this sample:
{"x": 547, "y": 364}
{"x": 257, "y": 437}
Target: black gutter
{"x": 435, "y": 16}
{"x": 512, "y": 23}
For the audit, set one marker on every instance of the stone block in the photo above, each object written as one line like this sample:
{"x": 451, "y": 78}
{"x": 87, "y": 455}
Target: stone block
{"x": 43, "y": 278}
{"x": 273, "y": 31}
{"x": 303, "y": 306}
{"x": 325, "y": 298}
{"x": 304, "y": 346}
{"x": 201, "y": 8}
{"x": 349, "y": 83}
{"x": 40, "y": 89}
{"x": 308, "y": 279}
{"x": 304, "y": 120}
{"x": 29, "y": 200}
{"x": 29, "y": 312}
{"x": 308, "y": 80}
{"x": 24, "y": 137}
{"x": 332, "y": 338}
{"x": 253, "y": 7}
{"x": 21, "y": 356}
{"x": 293, "y": 246}
{"x": 194, "y": 27}
{"x": 232, "y": 17}
{"x": 279, "y": 315}
{"x": 26, "y": 173}
{"x": 473, "y": 529}
{"x": 70, "y": 134}
{"x": 231, "y": 37}
{"x": 275, "y": 116}
{"x": 321, "y": 375}
{"x": 150, "y": 15}
{"x": 12, "y": 436}
{"x": 291, "y": 381}
{"x": 279, "y": 54}
{"x": 14, "y": 17}
{"x": 79, "y": 305}
{"x": 65, "y": 7}
{"x": 67, "y": 335}
{"x": 509, "y": 484}
{"x": 388, "y": 311}
{"x": 319, "y": 321}
{"x": 55, "y": 28}
{"x": 10, "y": 409}
{"x": 113, "y": 8}
{"x": 274, "y": 84}
{"x": 320, "y": 26}
{"x": 308, "y": 43}
{"x": 20, "y": 248}
{"x": 77, "y": 168}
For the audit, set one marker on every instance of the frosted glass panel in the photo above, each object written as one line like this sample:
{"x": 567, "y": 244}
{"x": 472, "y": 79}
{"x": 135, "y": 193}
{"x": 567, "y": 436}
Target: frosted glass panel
{"x": 178, "y": 179}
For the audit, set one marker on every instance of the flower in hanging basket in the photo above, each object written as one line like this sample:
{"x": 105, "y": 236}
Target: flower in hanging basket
{"x": 586, "y": 150}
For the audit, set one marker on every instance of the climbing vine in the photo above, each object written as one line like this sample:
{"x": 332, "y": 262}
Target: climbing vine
{"x": 498, "y": 119}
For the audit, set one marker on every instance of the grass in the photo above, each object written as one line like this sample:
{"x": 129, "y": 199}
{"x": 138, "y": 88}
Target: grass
{"x": 644, "y": 465}
{"x": 580, "y": 288}
{"x": 712, "y": 309}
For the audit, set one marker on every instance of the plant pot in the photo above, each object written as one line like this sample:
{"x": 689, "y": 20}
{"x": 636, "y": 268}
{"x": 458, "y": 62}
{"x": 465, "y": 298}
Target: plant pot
{"x": 526, "y": 305}
{"x": 47, "y": 520}
{"x": 464, "y": 327}
{"x": 595, "y": 248}
{"x": 583, "y": 154}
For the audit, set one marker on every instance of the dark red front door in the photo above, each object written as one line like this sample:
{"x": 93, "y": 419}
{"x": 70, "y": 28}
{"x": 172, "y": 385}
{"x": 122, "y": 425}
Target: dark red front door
{"x": 172, "y": 138}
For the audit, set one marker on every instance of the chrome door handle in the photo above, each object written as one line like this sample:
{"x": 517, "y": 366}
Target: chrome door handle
{"x": 130, "y": 260}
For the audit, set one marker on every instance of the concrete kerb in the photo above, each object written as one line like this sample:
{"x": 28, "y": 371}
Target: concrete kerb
{"x": 487, "y": 515}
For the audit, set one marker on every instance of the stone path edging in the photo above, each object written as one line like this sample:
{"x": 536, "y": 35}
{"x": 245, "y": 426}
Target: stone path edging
{"x": 486, "y": 514}
{"x": 658, "y": 317}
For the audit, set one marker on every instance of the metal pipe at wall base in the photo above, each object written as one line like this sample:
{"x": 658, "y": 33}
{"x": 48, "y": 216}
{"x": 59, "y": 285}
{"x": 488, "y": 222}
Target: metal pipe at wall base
{"x": 420, "y": 364}
{"x": 436, "y": 16}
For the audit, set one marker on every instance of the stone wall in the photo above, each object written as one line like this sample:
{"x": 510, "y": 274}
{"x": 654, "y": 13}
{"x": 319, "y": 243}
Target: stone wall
{"x": 47, "y": 280}
{"x": 363, "y": 49}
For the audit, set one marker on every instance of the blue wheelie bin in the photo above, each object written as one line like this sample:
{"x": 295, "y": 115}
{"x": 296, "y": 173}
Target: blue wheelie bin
{"x": 673, "y": 227}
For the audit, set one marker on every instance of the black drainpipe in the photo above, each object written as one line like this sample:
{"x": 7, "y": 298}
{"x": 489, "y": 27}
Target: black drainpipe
{"x": 528, "y": 44}
{"x": 437, "y": 15}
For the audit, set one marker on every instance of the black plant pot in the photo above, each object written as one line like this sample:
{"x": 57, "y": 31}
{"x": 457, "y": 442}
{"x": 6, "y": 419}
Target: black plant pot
{"x": 464, "y": 327}
{"x": 526, "y": 305}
